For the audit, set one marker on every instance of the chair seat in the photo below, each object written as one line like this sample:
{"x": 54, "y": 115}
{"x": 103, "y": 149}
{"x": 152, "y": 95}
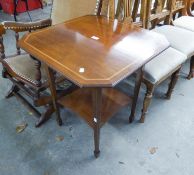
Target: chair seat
{"x": 163, "y": 64}
{"x": 23, "y": 66}
{"x": 186, "y": 22}
{"x": 180, "y": 39}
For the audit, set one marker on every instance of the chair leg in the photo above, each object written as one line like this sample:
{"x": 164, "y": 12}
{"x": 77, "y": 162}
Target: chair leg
{"x": 172, "y": 84}
{"x": 147, "y": 101}
{"x": 14, "y": 89}
{"x": 191, "y": 73}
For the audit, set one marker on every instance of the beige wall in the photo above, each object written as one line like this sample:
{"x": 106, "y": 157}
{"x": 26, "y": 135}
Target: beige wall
{"x": 64, "y": 10}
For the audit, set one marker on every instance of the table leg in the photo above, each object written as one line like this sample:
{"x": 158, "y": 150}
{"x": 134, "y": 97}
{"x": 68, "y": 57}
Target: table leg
{"x": 97, "y": 99}
{"x": 51, "y": 79}
{"x": 136, "y": 94}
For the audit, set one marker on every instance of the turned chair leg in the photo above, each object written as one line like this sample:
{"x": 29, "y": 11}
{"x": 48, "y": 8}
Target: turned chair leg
{"x": 147, "y": 101}
{"x": 14, "y": 89}
{"x": 191, "y": 73}
{"x": 172, "y": 84}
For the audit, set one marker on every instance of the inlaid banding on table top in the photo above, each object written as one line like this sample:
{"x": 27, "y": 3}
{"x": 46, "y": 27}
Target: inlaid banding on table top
{"x": 109, "y": 51}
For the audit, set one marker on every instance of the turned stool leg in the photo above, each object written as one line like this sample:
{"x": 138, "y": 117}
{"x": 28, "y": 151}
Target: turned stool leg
{"x": 191, "y": 68}
{"x": 172, "y": 84}
{"x": 147, "y": 101}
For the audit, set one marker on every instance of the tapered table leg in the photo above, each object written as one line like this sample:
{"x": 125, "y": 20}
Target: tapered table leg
{"x": 136, "y": 94}
{"x": 97, "y": 101}
{"x": 51, "y": 79}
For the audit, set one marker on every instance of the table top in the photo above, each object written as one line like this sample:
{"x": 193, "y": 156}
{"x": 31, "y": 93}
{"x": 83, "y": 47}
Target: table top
{"x": 94, "y": 51}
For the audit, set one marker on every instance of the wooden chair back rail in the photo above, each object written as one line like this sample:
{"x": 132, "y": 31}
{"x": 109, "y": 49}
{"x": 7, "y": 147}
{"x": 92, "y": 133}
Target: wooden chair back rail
{"x": 131, "y": 10}
{"x": 18, "y": 27}
{"x": 164, "y": 10}
{"x": 157, "y": 11}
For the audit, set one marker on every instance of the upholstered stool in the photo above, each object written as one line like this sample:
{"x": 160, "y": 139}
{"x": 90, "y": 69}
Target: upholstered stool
{"x": 180, "y": 39}
{"x": 166, "y": 64}
{"x": 186, "y": 22}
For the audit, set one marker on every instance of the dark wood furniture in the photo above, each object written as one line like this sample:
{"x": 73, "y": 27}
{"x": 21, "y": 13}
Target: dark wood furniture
{"x": 27, "y": 73}
{"x": 95, "y": 53}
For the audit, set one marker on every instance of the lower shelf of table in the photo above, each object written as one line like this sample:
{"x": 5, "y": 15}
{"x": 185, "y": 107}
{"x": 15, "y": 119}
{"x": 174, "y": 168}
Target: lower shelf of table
{"x": 80, "y": 101}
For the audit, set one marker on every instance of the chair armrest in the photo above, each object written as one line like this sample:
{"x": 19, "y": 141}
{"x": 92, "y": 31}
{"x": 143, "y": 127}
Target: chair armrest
{"x": 2, "y": 30}
{"x": 28, "y": 26}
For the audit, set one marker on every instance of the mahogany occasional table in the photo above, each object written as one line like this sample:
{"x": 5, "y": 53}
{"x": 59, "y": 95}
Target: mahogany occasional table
{"x": 95, "y": 53}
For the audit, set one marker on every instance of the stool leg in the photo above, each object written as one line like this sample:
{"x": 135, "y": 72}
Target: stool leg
{"x": 147, "y": 101}
{"x": 174, "y": 79}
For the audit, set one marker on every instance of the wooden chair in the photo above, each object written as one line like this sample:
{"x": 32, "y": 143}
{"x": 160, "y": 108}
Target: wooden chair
{"x": 163, "y": 66}
{"x": 28, "y": 74}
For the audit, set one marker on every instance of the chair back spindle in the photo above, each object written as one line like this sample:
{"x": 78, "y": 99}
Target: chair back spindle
{"x": 132, "y": 11}
{"x": 106, "y": 8}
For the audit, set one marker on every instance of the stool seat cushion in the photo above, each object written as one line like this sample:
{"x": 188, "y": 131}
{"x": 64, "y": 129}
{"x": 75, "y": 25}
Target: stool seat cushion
{"x": 179, "y": 38}
{"x": 163, "y": 64}
{"x": 186, "y": 22}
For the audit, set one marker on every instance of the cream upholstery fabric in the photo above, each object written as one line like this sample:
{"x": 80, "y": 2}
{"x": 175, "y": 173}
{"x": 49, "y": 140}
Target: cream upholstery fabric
{"x": 163, "y": 64}
{"x": 180, "y": 39}
{"x": 24, "y": 66}
{"x": 186, "y": 22}
{"x": 64, "y": 10}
